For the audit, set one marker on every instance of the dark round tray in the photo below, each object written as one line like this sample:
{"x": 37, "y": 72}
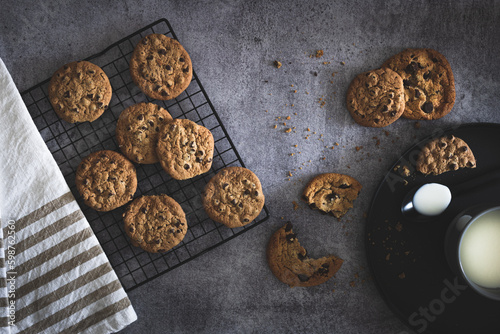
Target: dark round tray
{"x": 407, "y": 259}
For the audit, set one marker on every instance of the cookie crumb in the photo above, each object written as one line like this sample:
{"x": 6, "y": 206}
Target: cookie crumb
{"x": 402, "y": 275}
{"x": 388, "y": 256}
{"x": 288, "y": 130}
{"x": 277, "y": 64}
{"x": 417, "y": 125}
{"x": 342, "y": 63}
{"x": 399, "y": 227}
{"x": 275, "y": 126}
{"x": 352, "y": 284}
{"x": 319, "y": 53}
{"x": 358, "y": 148}
{"x": 295, "y": 205}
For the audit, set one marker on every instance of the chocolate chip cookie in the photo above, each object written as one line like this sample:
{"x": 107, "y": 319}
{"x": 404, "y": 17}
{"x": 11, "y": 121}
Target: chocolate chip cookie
{"x": 233, "y": 197}
{"x": 155, "y": 223}
{"x": 331, "y": 193}
{"x": 185, "y": 149}
{"x": 376, "y": 98}
{"x": 289, "y": 262}
{"x": 79, "y": 92}
{"x": 428, "y": 81}
{"x": 445, "y": 154}
{"x": 161, "y": 67}
{"x": 137, "y": 131}
{"x": 106, "y": 180}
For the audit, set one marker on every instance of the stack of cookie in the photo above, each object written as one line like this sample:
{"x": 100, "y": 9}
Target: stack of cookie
{"x": 415, "y": 83}
{"x": 146, "y": 134}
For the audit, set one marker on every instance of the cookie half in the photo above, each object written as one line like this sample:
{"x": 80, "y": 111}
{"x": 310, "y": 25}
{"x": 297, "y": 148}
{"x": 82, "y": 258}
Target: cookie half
{"x": 445, "y": 154}
{"x": 155, "y": 223}
{"x": 428, "y": 82}
{"x": 137, "y": 131}
{"x": 161, "y": 67}
{"x": 79, "y": 92}
{"x": 106, "y": 180}
{"x": 289, "y": 262}
{"x": 331, "y": 193}
{"x": 376, "y": 98}
{"x": 185, "y": 149}
{"x": 233, "y": 197}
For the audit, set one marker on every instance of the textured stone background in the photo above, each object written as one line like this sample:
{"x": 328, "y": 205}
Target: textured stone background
{"x": 233, "y": 45}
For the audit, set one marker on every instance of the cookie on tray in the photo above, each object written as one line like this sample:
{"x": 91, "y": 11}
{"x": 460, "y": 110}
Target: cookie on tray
{"x": 376, "y": 98}
{"x": 155, "y": 223}
{"x": 289, "y": 262}
{"x": 79, "y": 92}
{"x": 233, "y": 197}
{"x": 106, "y": 180}
{"x": 161, "y": 67}
{"x": 185, "y": 149}
{"x": 137, "y": 131}
{"x": 331, "y": 193}
{"x": 428, "y": 81}
{"x": 445, "y": 154}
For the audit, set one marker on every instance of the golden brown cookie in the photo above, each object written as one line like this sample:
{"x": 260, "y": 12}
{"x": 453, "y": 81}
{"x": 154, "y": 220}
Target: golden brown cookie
{"x": 445, "y": 154}
{"x": 155, "y": 223}
{"x": 376, "y": 98}
{"x": 137, "y": 131}
{"x": 161, "y": 67}
{"x": 185, "y": 149}
{"x": 428, "y": 81}
{"x": 79, "y": 92}
{"x": 233, "y": 197}
{"x": 331, "y": 193}
{"x": 289, "y": 262}
{"x": 106, "y": 180}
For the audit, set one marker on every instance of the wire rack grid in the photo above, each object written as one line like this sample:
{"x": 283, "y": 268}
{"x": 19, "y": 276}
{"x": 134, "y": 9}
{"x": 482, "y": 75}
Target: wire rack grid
{"x": 70, "y": 143}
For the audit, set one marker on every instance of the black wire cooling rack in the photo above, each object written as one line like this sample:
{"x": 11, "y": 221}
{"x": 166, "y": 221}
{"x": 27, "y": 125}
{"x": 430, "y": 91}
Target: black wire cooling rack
{"x": 69, "y": 143}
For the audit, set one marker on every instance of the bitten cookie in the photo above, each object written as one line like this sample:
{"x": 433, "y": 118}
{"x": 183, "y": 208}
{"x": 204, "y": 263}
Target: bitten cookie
{"x": 331, "y": 193}
{"x": 161, "y": 67}
{"x": 155, "y": 223}
{"x": 233, "y": 197}
{"x": 79, "y": 91}
{"x": 376, "y": 98}
{"x": 428, "y": 81}
{"x": 445, "y": 154}
{"x": 106, "y": 180}
{"x": 137, "y": 131}
{"x": 289, "y": 262}
{"x": 185, "y": 149}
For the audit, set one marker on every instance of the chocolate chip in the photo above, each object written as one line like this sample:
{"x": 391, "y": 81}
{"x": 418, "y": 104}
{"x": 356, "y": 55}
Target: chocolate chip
{"x": 406, "y": 83}
{"x": 312, "y": 206}
{"x": 157, "y": 129}
{"x": 411, "y": 68}
{"x": 198, "y": 160}
{"x": 385, "y": 108}
{"x": 393, "y": 113}
{"x": 427, "y": 107}
{"x": 442, "y": 144}
{"x": 99, "y": 104}
{"x": 427, "y": 75}
{"x": 303, "y": 278}
{"x": 181, "y": 59}
{"x": 90, "y": 96}
{"x": 145, "y": 41}
{"x": 163, "y": 52}
{"x": 185, "y": 70}
{"x": 288, "y": 227}
{"x": 301, "y": 256}
{"x": 186, "y": 167}
{"x": 144, "y": 210}
{"x": 67, "y": 94}
{"x": 144, "y": 128}
{"x": 149, "y": 57}
{"x": 91, "y": 71}
{"x": 453, "y": 166}
{"x": 464, "y": 149}
{"x": 164, "y": 93}
{"x": 140, "y": 117}
{"x": 168, "y": 67}
{"x": 160, "y": 118}
{"x": 246, "y": 192}
{"x": 225, "y": 185}
{"x": 256, "y": 193}
{"x": 417, "y": 93}
{"x": 75, "y": 110}
{"x": 240, "y": 205}
{"x": 151, "y": 123}
{"x": 246, "y": 220}
{"x": 131, "y": 229}
{"x": 234, "y": 202}
{"x": 470, "y": 164}
{"x": 157, "y": 241}
{"x": 434, "y": 60}
{"x": 331, "y": 197}
{"x": 98, "y": 97}
{"x": 323, "y": 270}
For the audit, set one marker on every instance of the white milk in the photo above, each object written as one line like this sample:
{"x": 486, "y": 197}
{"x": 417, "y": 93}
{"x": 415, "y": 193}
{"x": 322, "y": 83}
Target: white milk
{"x": 432, "y": 199}
{"x": 480, "y": 250}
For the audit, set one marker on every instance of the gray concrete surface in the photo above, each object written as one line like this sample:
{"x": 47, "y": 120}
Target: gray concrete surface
{"x": 233, "y": 45}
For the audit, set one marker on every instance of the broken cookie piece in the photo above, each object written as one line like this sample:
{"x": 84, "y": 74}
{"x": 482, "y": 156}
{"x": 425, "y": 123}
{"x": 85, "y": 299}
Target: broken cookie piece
{"x": 445, "y": 154}
{"x": 331, "y": 193}
{"x": 289, "y": 262}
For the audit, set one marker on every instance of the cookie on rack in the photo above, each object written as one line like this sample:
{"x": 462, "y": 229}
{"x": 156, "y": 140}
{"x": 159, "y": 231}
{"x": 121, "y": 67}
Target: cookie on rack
{"x": 137, "y": 131}
{"x": 445, "y": 154}
{"x": 161, "y": 67}
{"x": 428, "y": 81}
{"x": 331, "y": 193}
{"x": 155, "y": 223}
{"x": 79, "y": 92}
{"x": 106, "y": 180}
{"x": 185, "y": 149}
{"x": 289, "y": 262}
{"x": 233, "y": 197}
{"x": 376, "y": 98}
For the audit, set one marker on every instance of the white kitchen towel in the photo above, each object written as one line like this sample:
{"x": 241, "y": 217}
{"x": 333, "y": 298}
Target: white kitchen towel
{"x": 64, "y": 282}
